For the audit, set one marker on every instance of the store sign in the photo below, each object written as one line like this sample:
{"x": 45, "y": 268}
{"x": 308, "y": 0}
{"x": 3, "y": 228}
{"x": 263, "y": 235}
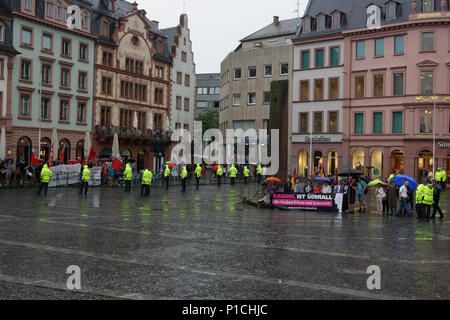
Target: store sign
{"x": 318, "y": 139}
{"x": 442, "y": 144}
{"x": 304, "y": 201}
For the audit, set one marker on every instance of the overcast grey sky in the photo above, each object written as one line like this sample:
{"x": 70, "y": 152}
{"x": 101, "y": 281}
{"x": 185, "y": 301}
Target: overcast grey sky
{"x": 218, "y": 25}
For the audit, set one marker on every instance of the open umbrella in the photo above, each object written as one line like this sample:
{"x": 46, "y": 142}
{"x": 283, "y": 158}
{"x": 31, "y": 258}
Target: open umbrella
{"x": 170, "y": 164}
{"x": 400, "y": 179}
{"x": 374, "y": 183}
{"x": 323, "y": 179}
{"x": 364, "y": 178}
{"x": 273, "y": 179}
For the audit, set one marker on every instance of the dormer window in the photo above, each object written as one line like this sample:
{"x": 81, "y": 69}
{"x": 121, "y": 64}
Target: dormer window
{"x": 159, "y": 47}
{"x": 336, "y": 19}
{"x": 84, "y": 20}
{"x": 111, "y": 5}
{"x": 58, "y": 10}
{"x": 27, "y": 5}
{"x": 2, "y": 33}
{"x": 390, "y": 10}
{"x": 49, "y": 9}
{"x": 104, "y": 28}
{"x": 321, "y": 22}
{"x": 428, "y": 6}
{"x": 306, "y": 24}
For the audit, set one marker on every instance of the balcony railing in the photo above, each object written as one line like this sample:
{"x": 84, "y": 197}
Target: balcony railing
{"x": 133, "y": 133}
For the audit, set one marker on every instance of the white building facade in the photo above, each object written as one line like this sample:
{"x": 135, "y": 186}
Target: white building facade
{"x": 317, "y": 104}
{"x": 183, "y": 76}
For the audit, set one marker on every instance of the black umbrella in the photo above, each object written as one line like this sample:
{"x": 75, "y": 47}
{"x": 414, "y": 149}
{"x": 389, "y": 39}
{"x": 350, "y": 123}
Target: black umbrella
{"x": 366, "y": 179}
{"x": 350, "y": 172}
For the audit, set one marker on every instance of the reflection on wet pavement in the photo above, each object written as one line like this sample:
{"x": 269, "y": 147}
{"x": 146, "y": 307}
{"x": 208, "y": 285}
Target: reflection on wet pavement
{"x": 207, "y": 245}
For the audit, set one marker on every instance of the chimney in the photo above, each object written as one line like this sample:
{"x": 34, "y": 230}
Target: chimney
{"x": 135, "y": 5}
{"x": 276, "y": 19}
{"x": 156, "y": 23}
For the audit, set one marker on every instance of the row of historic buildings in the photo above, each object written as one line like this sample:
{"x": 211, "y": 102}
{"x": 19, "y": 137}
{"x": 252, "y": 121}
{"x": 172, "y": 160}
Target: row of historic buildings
{"x": 104, "y": 69}
{"x": 362, "y": 76}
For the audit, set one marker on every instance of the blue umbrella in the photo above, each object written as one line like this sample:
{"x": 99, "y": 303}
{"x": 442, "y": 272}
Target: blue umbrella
{"x": 399, "y": 179}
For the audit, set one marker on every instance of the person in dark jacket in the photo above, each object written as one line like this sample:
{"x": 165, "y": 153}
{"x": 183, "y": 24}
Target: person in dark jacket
{"x": 436, "y": 198}
{"x": 392, "y": 198}
{"x": 288, "y": 186}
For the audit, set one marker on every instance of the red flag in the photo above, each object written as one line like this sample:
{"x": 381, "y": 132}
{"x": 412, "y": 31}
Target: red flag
{"x": 92, "y": 154}
{"x": 63, "y": 153}
{"x": 34, "y": 160}
{"x": 51, "y": 157}
{"x": 117, "y": 163}
{"x": 293, "y": 181}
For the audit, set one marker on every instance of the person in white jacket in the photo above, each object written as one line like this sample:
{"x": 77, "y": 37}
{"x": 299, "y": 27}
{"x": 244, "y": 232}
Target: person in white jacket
{"x": 380, "y": 195}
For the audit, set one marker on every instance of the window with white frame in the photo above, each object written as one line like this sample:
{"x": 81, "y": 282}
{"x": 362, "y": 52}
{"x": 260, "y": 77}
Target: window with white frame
{"x": 84, "y": 20}
{"x": 251, "y": 98}
{"x": 45, "y": 109}
{"x": 237, "y": 73}
{"x": 81, "y": 112}
{"x": 24, "y": 105}
{"x": 390, "y": 11}
{"x": 2, "y": 32}
{"x": 236, "y": 99}
{"x": 49, "y": 9}
{"x": 266, "y": 97}
{"x": 58, "y": 10}
{"x": 284, "y": 68}
{"x": 252, "y": 72}
{"x": 27, "y": 4}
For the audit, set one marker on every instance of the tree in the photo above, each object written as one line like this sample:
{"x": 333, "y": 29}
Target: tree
{"x": 209, "y": 119}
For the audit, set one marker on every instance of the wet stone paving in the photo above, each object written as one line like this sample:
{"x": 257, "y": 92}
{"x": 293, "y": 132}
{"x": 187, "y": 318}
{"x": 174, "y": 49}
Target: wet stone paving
{"x": 206, "y": 244}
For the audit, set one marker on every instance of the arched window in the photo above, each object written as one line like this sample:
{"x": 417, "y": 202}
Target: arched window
{"x": 397, "y": 161}
{"x": 358, "y": 160}
{"x": 44, "y": 153}
{"x": 332, "y": 162}
{"x": 23, "y": 151}
{"x": 104, "y": 28}
{"x": 390, "y": 11}
{"x": 303, "y": 163}
{"x": 318, "y": 162}
{"x": 105, "y": 153}
{"x": 80, "y": 151}
{"x": 377, "y": 164}
{"x": 126, "y": 155}
{"x": 58, "y": 11}
{"x": 64, "y": 145}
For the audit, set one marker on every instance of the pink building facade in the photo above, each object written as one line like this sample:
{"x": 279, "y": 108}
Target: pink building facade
{"x": 391, "y": 74}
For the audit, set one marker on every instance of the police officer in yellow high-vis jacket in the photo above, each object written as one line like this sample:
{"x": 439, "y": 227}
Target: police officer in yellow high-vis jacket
{"x": 147, "y": 177}
{"x": 259, "y": 173}
{"x": 198, "y": 174}
{"x": 427, "y": 200}
{"x": 184, "y": 175}
{"x": 85, "y": 177}
{"x": 167, "y": 175}
{"x": 128, "y": 176}
{"x": 419, "y": 201}
{"x": 246, "y": 174}
{"x": 46, "y": 174}
{"x": 233, "y": 174}
{"x": 219, "y": 174}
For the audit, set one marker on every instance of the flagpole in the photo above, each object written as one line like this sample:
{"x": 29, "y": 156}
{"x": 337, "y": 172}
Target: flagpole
{"x": 310, "y": 140}
{"x": 434, "y": 136}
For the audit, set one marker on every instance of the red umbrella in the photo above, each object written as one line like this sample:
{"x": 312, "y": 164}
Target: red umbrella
{"x": 273, "y": 179}
{"x": 73, "y": 162}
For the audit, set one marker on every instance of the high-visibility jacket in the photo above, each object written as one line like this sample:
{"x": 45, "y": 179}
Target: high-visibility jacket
{"x": 438, "y": 176}
{"x": 444, "y": 175}
{"x": 419, "y": 194}
{"x": 390, "y": 177}
{"x": 46, "y": 174}
{"x": 428, "y": 195}
{"x": 219, "y": 171}
{"x": 167, "y": 171}
{"x": 147, "y": 177}
{"x": 198, "y": 171}
{"x": 86, "y": 175}
{"x": 184, "y": 173}
{"x": 233, "y": 172}
{"x": 259, "y": 170}
{"x": 246, "y": 172}
{"x": 128, "y": 173}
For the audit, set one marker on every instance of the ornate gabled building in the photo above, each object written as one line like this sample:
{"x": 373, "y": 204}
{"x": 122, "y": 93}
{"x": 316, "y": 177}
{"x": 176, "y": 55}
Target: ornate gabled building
{"x": 182, "y": 75}
{"x": 132, "y": 86}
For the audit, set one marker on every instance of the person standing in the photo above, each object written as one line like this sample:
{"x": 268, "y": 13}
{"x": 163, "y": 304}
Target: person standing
{"x": 436, "y": 198}
{"x": 85, "y": 177}
{"x": 391, "y": 176}
{"x": 147, "y": 177}
{"x": 167, "y": 175}
{"x": 128, "y": 176}
{"x": 392, "y": 198}
{"x": 326, "y": 188}
{"x": 380, "y": 195}
{"x": 353, "y": 192}
{"x": 308, "y": 188}
{"x": 183, "y": 176}
{"x": 288, "y": 186}
{"x": 339, "y": 191}
{"x": 198, "y": 174}
{"x": 233, "y": 173}
{"x": 111, "y": 173}
{"x": 403, "y": 196}
{"x": 427, "y": 200}
{"x": 419, "y": 201}
{"x": 246, "y": 174}
{"x": 362, "y": 187}
{"x": 219, "y": 173}
{"x": 46, "y": 174}
{"x": 259, "y": 173}
{"x": 298, "y": 186}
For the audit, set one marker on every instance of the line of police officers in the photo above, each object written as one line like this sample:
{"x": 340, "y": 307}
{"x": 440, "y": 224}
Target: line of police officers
{"x": 427, "y": 197}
